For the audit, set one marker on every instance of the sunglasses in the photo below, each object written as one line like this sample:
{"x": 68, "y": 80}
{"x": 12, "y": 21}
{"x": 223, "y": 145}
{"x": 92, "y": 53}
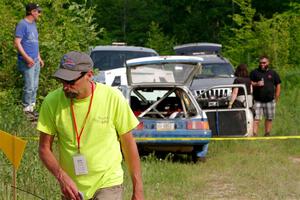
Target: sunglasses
{"x": 262, "y": 62}
{"x": 72, "y": 82}
{"x": 37, "y": 10}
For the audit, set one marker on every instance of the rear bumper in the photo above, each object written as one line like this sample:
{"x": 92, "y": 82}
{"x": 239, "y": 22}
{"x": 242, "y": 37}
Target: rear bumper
{"x": 177, "y": 137}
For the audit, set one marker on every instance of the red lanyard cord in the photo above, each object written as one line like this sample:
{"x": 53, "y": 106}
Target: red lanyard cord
{"x": 78, "y": 136}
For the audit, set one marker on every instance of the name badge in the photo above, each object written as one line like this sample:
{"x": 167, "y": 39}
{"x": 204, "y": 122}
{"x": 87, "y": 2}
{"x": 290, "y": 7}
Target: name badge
{"x": 80, "y": 165}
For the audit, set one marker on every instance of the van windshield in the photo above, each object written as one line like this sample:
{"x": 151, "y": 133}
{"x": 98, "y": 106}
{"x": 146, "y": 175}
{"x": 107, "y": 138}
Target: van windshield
{"x": 107, "y": 60}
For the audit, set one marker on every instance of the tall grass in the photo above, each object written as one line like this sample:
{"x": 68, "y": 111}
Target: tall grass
{"x": 288, "y": 111}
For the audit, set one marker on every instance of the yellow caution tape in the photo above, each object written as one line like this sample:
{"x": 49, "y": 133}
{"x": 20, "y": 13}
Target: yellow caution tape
{"x": 257, "y": 138}
{"x": 220, "y": 138}
{"x": 192, "y": 139}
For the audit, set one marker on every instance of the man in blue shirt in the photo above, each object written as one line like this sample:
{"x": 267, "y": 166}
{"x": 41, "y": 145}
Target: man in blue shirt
{"x": 29, "y": 59}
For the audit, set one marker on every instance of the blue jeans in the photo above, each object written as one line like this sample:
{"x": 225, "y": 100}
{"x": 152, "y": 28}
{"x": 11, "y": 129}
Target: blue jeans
{"x": 31, "y": 81}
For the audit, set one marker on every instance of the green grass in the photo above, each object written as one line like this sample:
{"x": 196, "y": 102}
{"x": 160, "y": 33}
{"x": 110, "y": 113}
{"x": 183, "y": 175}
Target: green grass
{"x": 233, "y": 170}
{"x": 287, "y": 118}
{"x": 261, "y": 169}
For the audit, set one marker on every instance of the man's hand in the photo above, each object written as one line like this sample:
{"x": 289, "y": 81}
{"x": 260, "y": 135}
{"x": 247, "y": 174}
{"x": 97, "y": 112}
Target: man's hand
{"x": 29, "y": 61}
{"x": 67, "y": 186}
{"x": 26, "y": 57}
{"x": 41, "y": 62}
{"x": 260, "y": 83}
{"x": 132, "y": 160}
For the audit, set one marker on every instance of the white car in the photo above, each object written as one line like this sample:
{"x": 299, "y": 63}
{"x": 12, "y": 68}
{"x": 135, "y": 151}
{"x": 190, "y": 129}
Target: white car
{"x": 170, "y": 117}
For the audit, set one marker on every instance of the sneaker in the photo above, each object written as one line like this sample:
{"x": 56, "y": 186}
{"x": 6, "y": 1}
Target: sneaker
{"x": 28, "y": 109}
{"x": 267, "y": 134}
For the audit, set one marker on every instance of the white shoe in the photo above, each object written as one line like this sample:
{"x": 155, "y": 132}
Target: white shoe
{"x": 28, "y": 109}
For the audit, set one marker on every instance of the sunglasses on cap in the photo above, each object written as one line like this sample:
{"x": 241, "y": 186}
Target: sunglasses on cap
{"x": 72, "y": 82}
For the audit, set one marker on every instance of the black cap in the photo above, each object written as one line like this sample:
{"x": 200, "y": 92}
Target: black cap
{"x": 32, "y": 6}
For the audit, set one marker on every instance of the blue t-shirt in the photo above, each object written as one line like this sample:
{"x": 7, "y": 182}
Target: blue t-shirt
{"x": 29, "y": 38}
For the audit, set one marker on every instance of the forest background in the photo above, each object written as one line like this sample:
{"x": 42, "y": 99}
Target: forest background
{"x": 245, "y": 28}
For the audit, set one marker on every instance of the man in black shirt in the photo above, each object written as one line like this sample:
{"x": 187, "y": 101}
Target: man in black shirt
{"x": 266, "y": 92}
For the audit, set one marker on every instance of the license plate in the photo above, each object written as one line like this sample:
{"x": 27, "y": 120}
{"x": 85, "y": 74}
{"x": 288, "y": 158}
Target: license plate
{"x": 165, "y": 126}
{"x": 213, "y": 104}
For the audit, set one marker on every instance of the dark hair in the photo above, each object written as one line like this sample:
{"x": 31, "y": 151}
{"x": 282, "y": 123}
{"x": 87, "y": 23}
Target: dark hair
{"x": 264, "y": 56}
{"x": 32, "y": 6}
{"x": 241, "y": 71}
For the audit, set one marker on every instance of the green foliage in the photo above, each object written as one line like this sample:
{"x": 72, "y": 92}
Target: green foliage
{"x": 8, "y": 76}
{"x": 158, "y": 41}
{"x": 277, "y": 37}
{"x": 72, "y": 28}
{"x": 240, "y": 44}
{"x": 104, "y": 38}
{"x": 12, "y": 118}
{"x": 63, "y": 27}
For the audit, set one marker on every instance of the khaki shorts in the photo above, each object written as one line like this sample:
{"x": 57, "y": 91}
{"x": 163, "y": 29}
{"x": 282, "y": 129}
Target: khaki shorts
{"x": 110, "y": 193}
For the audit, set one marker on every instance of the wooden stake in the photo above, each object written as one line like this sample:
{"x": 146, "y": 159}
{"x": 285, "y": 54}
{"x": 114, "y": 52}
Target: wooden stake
{"x": 14, "y": 183}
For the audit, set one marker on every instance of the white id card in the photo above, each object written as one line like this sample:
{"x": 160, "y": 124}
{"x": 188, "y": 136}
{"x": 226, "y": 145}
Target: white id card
{"x": 80, "y": 165}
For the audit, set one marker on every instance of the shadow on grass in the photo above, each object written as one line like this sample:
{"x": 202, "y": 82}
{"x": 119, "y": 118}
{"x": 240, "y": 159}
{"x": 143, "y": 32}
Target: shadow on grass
{"x": 156, "y": 156}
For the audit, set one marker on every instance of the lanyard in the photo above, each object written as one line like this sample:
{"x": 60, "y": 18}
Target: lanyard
{"x": 78, "y": 135}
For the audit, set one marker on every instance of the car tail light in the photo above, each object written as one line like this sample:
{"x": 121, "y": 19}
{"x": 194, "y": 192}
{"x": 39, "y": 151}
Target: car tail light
{"x": 197, "y": 125}
{"x": 140, "y": 126}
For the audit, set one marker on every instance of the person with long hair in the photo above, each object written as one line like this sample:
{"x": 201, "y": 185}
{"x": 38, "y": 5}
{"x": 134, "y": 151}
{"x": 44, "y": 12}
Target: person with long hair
{"x": 238, "y": 95}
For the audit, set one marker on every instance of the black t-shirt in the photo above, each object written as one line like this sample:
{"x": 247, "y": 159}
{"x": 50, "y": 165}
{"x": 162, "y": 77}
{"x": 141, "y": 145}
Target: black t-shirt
{"x": 271, "y": 79}
{"x": 243, "y": 80}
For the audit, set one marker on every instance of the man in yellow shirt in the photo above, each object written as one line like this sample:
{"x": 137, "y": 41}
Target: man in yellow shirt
{"x": 92, "y": 123}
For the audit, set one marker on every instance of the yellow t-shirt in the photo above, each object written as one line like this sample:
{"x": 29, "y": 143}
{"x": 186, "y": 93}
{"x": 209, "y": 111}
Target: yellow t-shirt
{"x": 109, "y": 117}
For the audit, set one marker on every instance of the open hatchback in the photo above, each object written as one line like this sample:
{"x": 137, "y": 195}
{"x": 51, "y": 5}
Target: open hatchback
{"x": 170, "y": 117}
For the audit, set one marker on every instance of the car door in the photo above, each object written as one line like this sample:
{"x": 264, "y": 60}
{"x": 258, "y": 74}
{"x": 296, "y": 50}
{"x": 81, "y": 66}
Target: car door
{"x": 224, "y": 121}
